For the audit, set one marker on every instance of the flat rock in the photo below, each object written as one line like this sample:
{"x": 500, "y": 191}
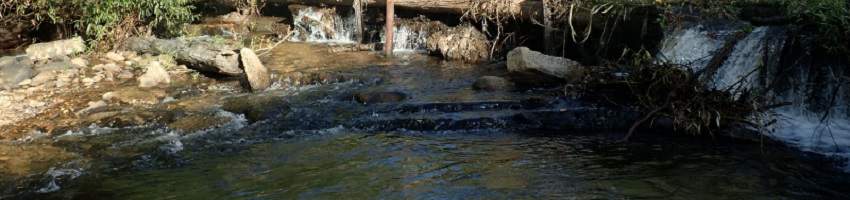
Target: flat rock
{"x": 14, "y": 70}
{"x": 49, "y": 50}
{"x": 258, "y": 75}
{"x": 135, "y": 96}
{"x": 492, "y": 83}
{"x": 256, "y": 107}
{"x": 194, "y": 123}
{"x": 524, "y": 60}
{"x": 379, "y": 97}
{"x": 43, "y": 77}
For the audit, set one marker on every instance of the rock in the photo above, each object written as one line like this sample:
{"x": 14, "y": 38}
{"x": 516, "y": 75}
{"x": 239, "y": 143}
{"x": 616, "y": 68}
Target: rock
{"x": 14, "y": 70}
{"x": 25, "y": 82}
{"x": 94, "y": 106}
{"x": 109, "y": 70}
{"x": 126, "y": 75}
{"x": 80, "y": 62}
{"x": 49, "y": 50}
{"x": 199, "y": 53}
{"x": 493, "y": 83}
{"x": 464, "y": 43}
{"x": 195, "y": 123}
{"x": 255, "y": 107}
{"x": 379, "y": 97}
{"x": 43, "y": 78}
{"x": 258, "y": 76}
{"x": 524, "y": 60}
{"x": 114, "y": 56}
{"x": 135, "y": 96}
{"x": 155, "y": 75}
{"x": 55, "y": 65}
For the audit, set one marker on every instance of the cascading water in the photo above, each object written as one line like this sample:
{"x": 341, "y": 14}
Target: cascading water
{"x": 408, "y": 39}
{"x": 322, "y": 25}
{"x": 753, "y": 65}
{"x": 693, "y": 47}
{"x": 741, "y": 68}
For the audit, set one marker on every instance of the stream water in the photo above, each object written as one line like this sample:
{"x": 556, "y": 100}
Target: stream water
{"x": 442, "y": 141}
{"x": 453, "y": 144}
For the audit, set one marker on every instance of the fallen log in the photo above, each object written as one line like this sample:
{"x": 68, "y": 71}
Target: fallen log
{"x": 522, "y": 9}
{"x": 201, "y": 53}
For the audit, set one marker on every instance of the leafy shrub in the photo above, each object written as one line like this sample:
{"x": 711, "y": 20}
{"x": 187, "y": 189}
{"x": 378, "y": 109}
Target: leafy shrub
{"x": 830, "y": 20}
{"x": 104, "y": 21}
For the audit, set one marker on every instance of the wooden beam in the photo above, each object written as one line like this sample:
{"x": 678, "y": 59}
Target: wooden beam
{"x": 524, "y": 9}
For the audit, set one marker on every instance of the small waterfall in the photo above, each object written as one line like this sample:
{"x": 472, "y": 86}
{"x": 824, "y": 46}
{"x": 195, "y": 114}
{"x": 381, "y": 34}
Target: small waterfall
{"x": 692, "y": 46}
{"x": 817, "y": 119}
{"x": 741, "y": 68}
{"x": 408, "y": 38}
{"x": 322, "y": 25}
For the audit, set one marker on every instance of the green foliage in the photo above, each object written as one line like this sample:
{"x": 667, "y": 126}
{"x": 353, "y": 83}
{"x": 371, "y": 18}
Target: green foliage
{"x": 105, "y": 20}
{"x": 830, "y": 20}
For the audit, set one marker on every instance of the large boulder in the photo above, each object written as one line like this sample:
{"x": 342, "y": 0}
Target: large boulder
{"x": 200, "y": 53}
{"x": 14, "y": 70}
{"x": 257, "y": 73}
{"x": 524, "y": 60}
{"x": 464, "y": 43}
{"x": 59, "y": 48}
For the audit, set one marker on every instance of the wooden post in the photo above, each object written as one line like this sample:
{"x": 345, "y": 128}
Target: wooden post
{"x": 358, "y": 20}
{"x": 390, "y": 17}
{"x": 549, "y": 43}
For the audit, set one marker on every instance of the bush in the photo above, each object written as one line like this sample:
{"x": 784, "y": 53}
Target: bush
{"x": 106, "y": 21}
{"x": 829, "y": 19}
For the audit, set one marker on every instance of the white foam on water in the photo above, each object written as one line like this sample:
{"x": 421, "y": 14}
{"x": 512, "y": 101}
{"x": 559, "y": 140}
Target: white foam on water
{"x": 691, "y": 46}
{"x": 58, "y": 174}
{"x": 740, "y": 70}
{"x": 407, "y": 39}
{"x": 812, "y": 132}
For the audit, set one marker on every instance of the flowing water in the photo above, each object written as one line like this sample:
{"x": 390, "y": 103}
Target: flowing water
{"x": 816, "y": 119}
{"x": 443, "y": 141}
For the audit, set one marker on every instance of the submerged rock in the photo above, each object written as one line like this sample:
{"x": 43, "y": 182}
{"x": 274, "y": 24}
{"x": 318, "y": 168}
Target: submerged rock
{"x": 379, "y": 97}
{"x": 255, "y": 108}
{"x": 257, "y": 74}
{"x": 493, "y": 83}
{"x": 59, "y": 48}
{"x": 155, "y": 75}
{"x": 524, "y": 60}
{"x": 464, "y": 43}
{"x": 195, "y": 123}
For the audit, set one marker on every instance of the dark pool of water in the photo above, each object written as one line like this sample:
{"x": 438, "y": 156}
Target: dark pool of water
{"x": 344, "y": 164}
